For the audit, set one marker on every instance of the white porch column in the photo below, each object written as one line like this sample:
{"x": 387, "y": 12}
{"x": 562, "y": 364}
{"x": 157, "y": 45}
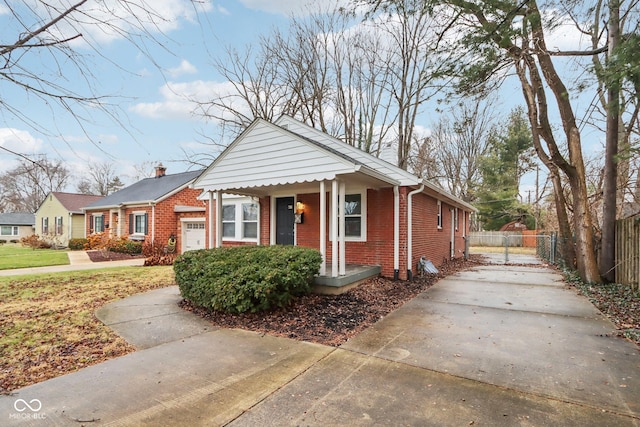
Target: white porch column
{"x": 257, "y": 200}
{"x": 218, "y": 240}
{"x": 343, "y": 250}
{"x": 323, "y": 229}
{"x": 212, "y": 226}
{"x": 334, "y": 229}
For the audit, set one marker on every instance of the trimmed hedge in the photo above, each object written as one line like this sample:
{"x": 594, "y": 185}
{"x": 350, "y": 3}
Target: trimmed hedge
{"x": 77, "y": 244}
{"x": 246, "y": 278}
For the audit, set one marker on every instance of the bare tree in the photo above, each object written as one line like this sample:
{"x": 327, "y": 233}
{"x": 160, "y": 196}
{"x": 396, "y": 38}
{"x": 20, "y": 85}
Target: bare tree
{"x": 100, "y": 179}
{"x": 24, "y": 188}
{"x": 40, "y": 38}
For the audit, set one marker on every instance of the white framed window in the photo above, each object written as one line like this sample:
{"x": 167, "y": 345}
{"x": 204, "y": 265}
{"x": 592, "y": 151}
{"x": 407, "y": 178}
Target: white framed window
{"x": 45, "y": 225}
{"x": 439, "y": 214}
{"x": 240, "y": 220}
{"x": 58, "y": 225}
{"x": 138, "y": 223}
{"x": 8, "y": 230}
{"x": 355, "y": 216}
{"x": 98, "y": 223}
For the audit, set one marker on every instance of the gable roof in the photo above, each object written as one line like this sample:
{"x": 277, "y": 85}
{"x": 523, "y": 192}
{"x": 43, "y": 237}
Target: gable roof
{"x": 269, "y": 155}
{"x": 148, "y": 190}
{"x": 74, "y": 202}
{"x": 17, "y": 218}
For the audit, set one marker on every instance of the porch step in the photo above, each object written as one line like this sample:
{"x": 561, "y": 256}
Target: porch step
{"x": 355, "y": 274}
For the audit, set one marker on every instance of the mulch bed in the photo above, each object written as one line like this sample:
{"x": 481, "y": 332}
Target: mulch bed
{"x": 100, "y": 256}
{"x": 332, "y": 320}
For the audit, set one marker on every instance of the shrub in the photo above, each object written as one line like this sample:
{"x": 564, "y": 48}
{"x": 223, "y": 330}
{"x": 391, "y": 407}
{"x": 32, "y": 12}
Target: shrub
{"x": 13, "y": 241}
{"x": 77, "y": 244}
{"x": 97, "y": 241}
{"x": 246, "y": 278}
{"x": 34, "y": 242}
{"x": 124, "y": 246}
{"x": 2, "y": 241}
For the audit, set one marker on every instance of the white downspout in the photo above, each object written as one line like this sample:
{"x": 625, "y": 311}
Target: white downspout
{"x": 396, "y": 233}
{"x": 410, "y": 230}
{"x": 323, "y": 229}
{"x": 153, "y": 223}
{"x": 257, "y": 201}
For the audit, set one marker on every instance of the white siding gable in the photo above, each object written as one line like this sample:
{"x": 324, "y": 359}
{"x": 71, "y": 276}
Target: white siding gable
{"x": 379, "y": 165}
{"x": 265, "y": 155}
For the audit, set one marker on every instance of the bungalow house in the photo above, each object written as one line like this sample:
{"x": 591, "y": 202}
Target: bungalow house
{"x": 60, "y": 217}
{"x": 16, "y": 225}
{"x": 288, "y": 183}
{"x": 153, "y": 210}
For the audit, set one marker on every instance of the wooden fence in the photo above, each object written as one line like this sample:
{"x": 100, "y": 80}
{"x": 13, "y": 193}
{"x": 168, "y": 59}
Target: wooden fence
{"x": 500, "y": 238}
{"x": 627, "y": 254}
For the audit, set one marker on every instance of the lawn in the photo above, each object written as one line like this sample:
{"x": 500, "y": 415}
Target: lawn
{"x": 48, "y": 324}
{"x": 17, "y": 256}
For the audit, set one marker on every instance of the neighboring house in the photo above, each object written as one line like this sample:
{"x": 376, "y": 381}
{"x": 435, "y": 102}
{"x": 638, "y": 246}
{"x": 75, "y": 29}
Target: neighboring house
{"x": 60, "y": 217}
{"x": 153, "y": 210}
{"x": 370, "y": 212}
{"x": 16, "y": 225}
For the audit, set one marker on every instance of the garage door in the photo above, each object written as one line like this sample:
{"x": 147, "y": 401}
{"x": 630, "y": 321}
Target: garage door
{"x": 193, "y": 236}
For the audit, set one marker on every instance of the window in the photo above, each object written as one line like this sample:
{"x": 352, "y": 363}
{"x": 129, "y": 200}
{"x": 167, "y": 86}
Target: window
{"x": 98, "y": 223}
{"x": 439, "y": 214}
{"x": 45, "y": 226}
{"x": 8, "y": 230}
{"x": 249, "y": 221}
{"x": 240, "y": 221}
{"x": 355, "y": 214}
{"x": 58, "y": 225}
{"x": 229, "y": 221}
{"x": 138, "y": 223}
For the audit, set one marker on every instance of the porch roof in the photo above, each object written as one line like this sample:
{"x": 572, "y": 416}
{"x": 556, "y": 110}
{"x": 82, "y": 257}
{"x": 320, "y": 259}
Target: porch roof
{"x": 267, "y": 157}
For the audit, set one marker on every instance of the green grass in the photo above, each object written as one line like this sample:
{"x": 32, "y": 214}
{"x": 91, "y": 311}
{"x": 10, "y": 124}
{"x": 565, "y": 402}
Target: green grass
{"x": 47, "y": 321}
{"x": 18, "y": 256}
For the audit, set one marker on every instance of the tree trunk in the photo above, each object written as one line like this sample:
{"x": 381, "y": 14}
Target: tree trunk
{"x": 609, "y": 191}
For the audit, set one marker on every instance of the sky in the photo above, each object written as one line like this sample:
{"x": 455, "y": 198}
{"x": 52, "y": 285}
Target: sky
{"x": 155, "y": 123}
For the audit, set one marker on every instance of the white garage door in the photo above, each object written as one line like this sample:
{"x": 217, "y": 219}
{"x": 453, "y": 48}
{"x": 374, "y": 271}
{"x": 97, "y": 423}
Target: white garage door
{"x": 193, "y": 236}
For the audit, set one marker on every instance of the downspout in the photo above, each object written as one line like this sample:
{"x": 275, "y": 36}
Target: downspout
{"x": 396, "y": 233}
{"x": 153, "y": 222}
{"x": 410, "y": 230}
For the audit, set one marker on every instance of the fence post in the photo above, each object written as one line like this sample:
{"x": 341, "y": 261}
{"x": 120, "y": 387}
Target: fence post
{"x": 466, "y": 247}
{"x": 552, "y": 249}
{"x": 506, "y": 248}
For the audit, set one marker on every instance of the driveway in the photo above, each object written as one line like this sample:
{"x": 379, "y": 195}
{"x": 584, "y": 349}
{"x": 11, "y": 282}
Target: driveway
{"x": 500, "y": 345}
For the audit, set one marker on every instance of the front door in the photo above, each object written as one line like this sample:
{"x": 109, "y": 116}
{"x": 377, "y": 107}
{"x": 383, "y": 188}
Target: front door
{"x": 284, "y": 221}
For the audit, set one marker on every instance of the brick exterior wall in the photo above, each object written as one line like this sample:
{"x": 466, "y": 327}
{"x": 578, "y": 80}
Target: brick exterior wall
{"x": 427, "y": 239}
{"x": 161, "y": 224}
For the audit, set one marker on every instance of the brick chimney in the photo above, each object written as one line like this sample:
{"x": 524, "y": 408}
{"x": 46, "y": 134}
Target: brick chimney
{"x": 160, "y": 170}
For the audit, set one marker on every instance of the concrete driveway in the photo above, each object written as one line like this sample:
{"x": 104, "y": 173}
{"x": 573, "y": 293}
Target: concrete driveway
{"x": 497, "y": 346}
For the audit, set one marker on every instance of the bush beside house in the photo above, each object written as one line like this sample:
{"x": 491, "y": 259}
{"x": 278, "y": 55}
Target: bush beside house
{"x": 246, "y": 278}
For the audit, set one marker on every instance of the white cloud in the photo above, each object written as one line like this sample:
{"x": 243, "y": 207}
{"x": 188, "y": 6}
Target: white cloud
{"x": 19, "y": 141}
{"x": 185, "y": 67}
{"x": 181, "y": 100}
{"x": 288, "y": 8}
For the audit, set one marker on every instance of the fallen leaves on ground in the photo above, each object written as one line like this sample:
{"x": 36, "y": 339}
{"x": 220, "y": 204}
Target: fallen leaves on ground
{"x": 333, "y": 319}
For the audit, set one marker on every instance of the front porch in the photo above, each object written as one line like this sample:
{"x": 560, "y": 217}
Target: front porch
{"x": 354, "y": 275}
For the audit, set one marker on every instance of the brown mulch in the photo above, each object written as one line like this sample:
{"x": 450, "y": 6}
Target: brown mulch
{"x": 332, "y": 320}
{"x": 100, "y": 256}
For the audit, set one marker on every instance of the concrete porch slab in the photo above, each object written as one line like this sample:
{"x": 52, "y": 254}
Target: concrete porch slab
{"x": 354, "y": 275}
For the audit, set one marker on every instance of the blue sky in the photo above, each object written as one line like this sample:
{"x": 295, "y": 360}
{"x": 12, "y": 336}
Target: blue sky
{"x": 149, "y": 95}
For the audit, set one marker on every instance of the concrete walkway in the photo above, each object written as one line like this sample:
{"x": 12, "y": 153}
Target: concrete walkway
{"x": 78, "y": 260}
{"x": 495, "y": 346}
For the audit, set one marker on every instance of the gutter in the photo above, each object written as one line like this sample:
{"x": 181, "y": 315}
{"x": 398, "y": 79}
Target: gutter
{"x": 410, "y": 230}
{"x": 396, "y": 233}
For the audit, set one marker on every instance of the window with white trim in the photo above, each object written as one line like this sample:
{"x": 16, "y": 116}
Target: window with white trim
{"x": 8, "y": 230}
{"x": 58, "y": 225}
{"x": 439, "y": 214}
{"x": 98, "y": 223}
{"x": 140, "y": 223}
{"x": 45, "y": 226}
{"x": 240, "y": 221}
{"x": 355, "y": 215}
